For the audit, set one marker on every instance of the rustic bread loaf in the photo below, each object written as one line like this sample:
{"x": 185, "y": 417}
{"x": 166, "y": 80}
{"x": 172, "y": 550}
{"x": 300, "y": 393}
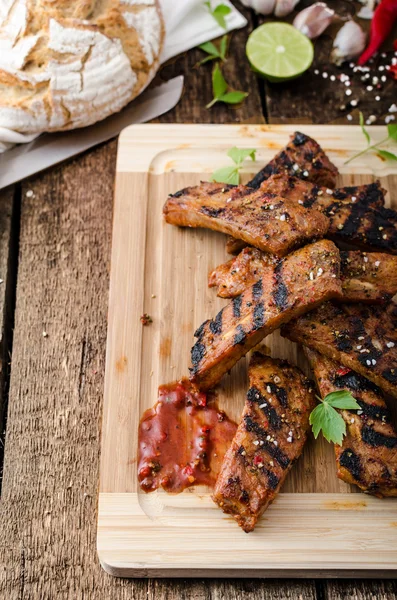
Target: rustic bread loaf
{"x": 69, "y": 63}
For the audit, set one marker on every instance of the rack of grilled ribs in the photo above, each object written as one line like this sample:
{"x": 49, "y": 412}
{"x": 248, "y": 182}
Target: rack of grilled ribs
{"x": 302, "y": 157}
{"x": 295, "y": 285}
{"x": 269, "y": 439}
{"x": 366, "y": 277}
{"x": 357, "y": 214}
{"x": 263, "y": 220}
{"x": 361, "y": 337}
{"x": 368, "y": 454}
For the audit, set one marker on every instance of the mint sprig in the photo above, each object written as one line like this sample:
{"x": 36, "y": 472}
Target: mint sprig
{"x": 219, "y": 13}
{"x": 231, "y": 175}
{"x": 213, "y": 52}
{"x": 220, "y": 90}
{"x": 328, "y": 420}
{"x": 386, "y": 154}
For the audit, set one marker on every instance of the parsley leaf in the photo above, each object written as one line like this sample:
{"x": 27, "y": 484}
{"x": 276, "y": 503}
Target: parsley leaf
{"x": 220, "y": 87}
{"x": 213, "y": 52}
{"x": 328, "y": 420}
{"x": 365, "y": 132}
{"x": 231, "y": 175}
{"x": 392, "y": 135}
{"x": 392, "y": 131}
{"x": 219, "y": 13}
{"x": 387, "y": 155}
{"x": 226, "y": 175}
{"x": 238, "y": 155}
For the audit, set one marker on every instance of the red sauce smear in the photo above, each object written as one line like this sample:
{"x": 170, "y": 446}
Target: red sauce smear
{"x": 182, "y": 440}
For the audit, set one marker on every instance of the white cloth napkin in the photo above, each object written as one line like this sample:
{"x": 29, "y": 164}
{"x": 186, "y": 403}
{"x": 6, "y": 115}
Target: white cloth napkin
{"x": 188, "y": 23}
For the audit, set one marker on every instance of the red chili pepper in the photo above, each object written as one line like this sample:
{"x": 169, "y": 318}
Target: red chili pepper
{"x": 343, "y": 371}
{"x": 381, "y": 25}
{"x": 393, "y": 71}
{"x": 395, "y": 44}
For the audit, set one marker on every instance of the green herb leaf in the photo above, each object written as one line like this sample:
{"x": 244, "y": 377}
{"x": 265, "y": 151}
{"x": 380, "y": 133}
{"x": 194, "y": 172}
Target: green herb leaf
{"x": 387, "y": 155}
{"x": 223, "y": 47}
{"x": 219, "y": 13}
{"x": 226, "y": 175}
{"x": 232, "y": 174}
{"x": 209, "y": 48}
{"x": 233, "y": 97}
{"x": 238, "y": 155}
{"x": 219, "y": 85}
{"x": 328, "y": 420}
{"x": 365, "y": 132}
{"x": 219, "y": 89}
{"x": 342, "y": 399}
{"x": 392, "y": 131}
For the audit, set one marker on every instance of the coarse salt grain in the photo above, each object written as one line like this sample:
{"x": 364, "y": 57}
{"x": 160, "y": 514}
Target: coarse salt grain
{"x": 390, "y": 344}
{"x": 348, "y": 92}
{"x": 29, "y": 193}
{"x": 377, "y": 263}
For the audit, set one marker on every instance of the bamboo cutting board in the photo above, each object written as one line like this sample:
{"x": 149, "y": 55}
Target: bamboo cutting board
{"x": 318, "y": 525}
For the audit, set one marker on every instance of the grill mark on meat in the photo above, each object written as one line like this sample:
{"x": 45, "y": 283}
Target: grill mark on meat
{"x": 211, "y": 212}
{"x": 254, "y": 396}
{"x": 279, "y": 392}
{"x": 272, "y": 479}
{"x": 368, "y": 341}
{"x": 216, "y": 324}
{"x": 374, "y": 438}
{"x": 303, "y": 158}
{"x": 280, "y": 293}
{"x": 240, "y": 336}
{"x": 368, "y": 454}
{"x": 253, "y": 427}
{"x": 197, "y": 355}
{"x": 355, "y": 382}
{"x": 257, "y": 217}
{"x": 350, "y": 461}
{"x": 257, "y": 290}
{"x": 268, "y": 440}
{"x": 259, "y": 316}
{"x": 237, "y": 306}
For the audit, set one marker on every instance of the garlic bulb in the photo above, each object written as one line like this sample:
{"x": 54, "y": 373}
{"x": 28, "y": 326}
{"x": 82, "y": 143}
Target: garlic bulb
{"x": 314, "y": 19}
{"x": 349, "y": 43}
{"x": 264, "y": 7}
{"x": 284, "y": 7}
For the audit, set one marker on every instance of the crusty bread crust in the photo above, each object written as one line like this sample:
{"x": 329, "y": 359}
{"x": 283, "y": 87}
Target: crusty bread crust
{"x": 68, "y": 64}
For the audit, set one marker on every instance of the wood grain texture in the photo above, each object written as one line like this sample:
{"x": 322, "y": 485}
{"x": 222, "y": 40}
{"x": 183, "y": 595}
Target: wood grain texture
{"x": 7, "y": 286}
{"x": 162, "y": 271}
{"x": 47, "y": 556}
{"x": 198, "y": 84}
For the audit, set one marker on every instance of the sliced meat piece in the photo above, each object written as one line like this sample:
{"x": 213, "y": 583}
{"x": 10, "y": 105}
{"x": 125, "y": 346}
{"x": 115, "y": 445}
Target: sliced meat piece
{"x": 310, "y": 195}
{"x": 233, "y": 277}
{"x": 356, "y": 213}
{"x": 263, "y": 220}
{"x": 368, "y": 454}
{"x": 361, "y": 337}
{"x": 302, "y": 157}
{"x": 295, "y": 285}
{"x": 269, "y": 439}
{"x": 366, "y": 277}
{"x": 350, "y": 210}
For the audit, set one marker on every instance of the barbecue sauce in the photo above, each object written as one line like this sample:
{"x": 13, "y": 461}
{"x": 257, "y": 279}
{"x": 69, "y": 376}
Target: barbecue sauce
{"x": 182, "y": 439}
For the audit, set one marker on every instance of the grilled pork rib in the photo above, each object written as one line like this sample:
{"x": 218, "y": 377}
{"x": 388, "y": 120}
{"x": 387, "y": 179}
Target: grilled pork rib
{"x": 270, "y": 437}
{"x": 302, "y": 157}
{"x": 369, "y": 278}
{"x": 355, "y": 212}
{"x": 360, "y": 337}
{"x": 368, "y": 455}
{"x": 295, "y": 285}
{"x": 263, "y": 220}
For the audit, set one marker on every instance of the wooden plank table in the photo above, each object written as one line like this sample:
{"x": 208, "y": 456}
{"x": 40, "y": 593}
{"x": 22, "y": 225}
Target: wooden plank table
{"x": 55, "y": 235}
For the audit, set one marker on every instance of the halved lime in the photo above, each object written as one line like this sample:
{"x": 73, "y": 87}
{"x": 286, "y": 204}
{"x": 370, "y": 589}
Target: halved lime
{"x": 279, "y": 51}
